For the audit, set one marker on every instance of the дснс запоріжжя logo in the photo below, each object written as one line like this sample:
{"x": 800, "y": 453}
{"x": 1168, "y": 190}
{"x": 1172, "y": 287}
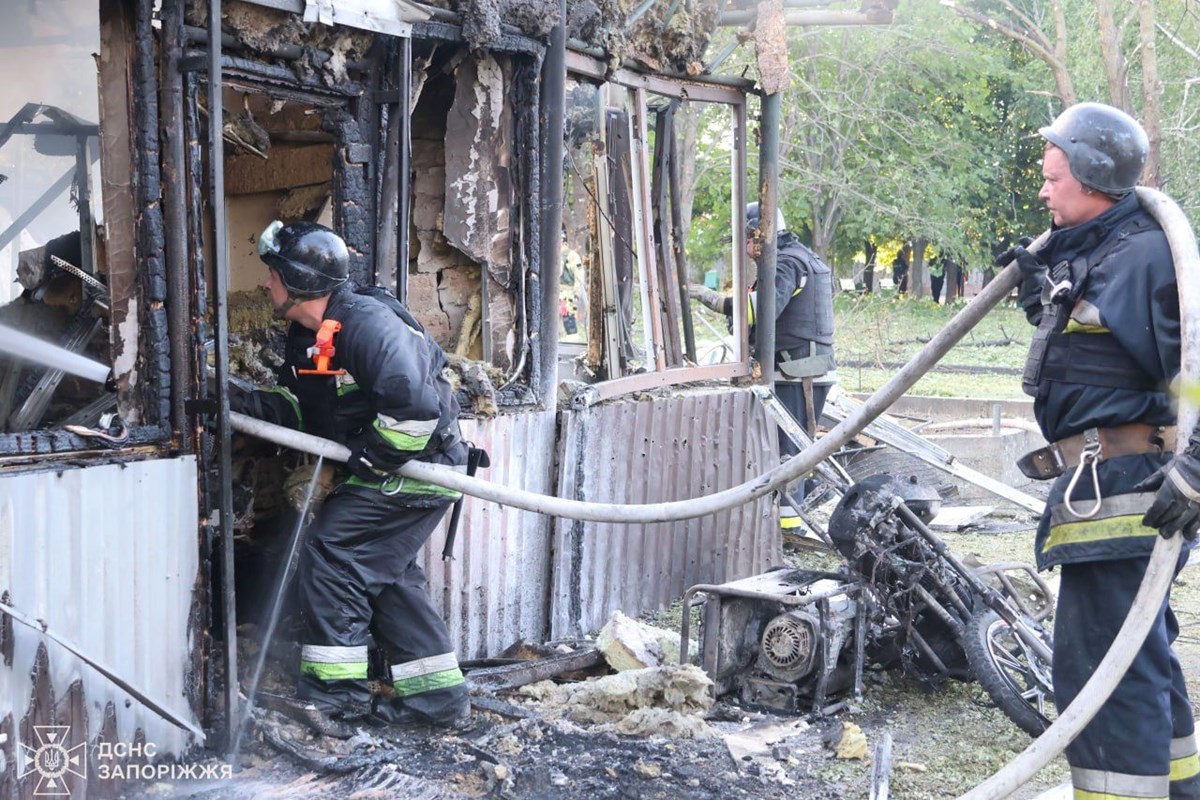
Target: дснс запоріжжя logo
{"x": 53, "y": 760}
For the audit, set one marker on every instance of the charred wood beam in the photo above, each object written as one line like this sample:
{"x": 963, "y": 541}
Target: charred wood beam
{"x": 175, "y": 216}
{"x": 149, "y": 266}
{"x": 511, "y": 40}
{"x": 283, "y": 81}
{"x": 16, "y": 447}
{"x": 511, "y": 676}
{"x": 283, "y": 51}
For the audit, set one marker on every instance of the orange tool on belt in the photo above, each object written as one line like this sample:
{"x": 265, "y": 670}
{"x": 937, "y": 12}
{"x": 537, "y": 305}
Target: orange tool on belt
{"x": 322, "y": 352}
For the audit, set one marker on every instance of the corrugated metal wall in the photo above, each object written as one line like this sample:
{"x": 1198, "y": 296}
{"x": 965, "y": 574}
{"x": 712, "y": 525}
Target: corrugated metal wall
{"x": 641, "y": 451}
{"x": 107, "y": 556}
{"x": 496, "y": 589}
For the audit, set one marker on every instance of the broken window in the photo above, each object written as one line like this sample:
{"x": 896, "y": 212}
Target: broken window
{"x": 53, "y": 252}
{"x": 631, "y": 174}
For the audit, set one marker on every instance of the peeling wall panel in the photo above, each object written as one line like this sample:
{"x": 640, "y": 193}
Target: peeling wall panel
{"x": 650, "y": 451}
{"x": 107, "y": 557}
{"x": 494, "y": 591}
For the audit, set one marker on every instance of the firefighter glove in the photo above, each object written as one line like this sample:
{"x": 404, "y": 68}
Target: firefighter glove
{"x": 1033, "y": 276}
{"x": 1176, "y": 506}
{"x": 707, "y": 297}
{"x": 371, "y": 458}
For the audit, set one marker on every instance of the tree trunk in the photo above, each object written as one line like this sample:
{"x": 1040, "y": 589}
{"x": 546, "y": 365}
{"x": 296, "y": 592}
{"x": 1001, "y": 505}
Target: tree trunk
{"x": 950, "y": 287}
{"x": 1151, "y": 85}
{"x": 1114, "y": 59}
{"x": 918, "y": 275}
{"x": 871, "y": 250}
{"x": 1062, "y": 78}
{"x": 687, "y": 133}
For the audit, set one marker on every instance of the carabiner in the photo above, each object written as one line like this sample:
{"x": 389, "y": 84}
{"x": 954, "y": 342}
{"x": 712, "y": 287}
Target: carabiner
{"x": 1089, "y": 458}
{"x": 387, "y": 491}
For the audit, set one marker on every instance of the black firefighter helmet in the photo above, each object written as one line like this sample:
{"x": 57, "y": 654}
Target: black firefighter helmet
{"x": 1106, "y": 148}
{"x": 311, "y": 260}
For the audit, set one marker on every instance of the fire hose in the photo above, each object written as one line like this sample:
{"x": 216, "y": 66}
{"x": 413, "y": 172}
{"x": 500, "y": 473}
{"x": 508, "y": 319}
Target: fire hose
{"x": 1150, "y": 595}
{"x": 1161, "y": 569}
{"x": 790, "y": 470}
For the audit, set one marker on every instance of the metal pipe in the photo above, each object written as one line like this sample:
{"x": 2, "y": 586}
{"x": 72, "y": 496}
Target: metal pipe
{"x": 800, "y": 464}
{"x": 216, "y": 161}
{"x": 554, "y": 109}
{"x": 158, "y": 708}
{"x": 174, "y": 200}
{"x": 404, "y": 192}
{"x": 1163, "y": 559}
{"x": 768, "y": 202}
{"x": 285, "y": 574}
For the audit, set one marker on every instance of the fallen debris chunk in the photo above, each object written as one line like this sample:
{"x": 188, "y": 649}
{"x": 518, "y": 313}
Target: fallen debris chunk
{"x": 661, "y": 701}
{"x": 853, "y": 743}
{"x": 911, "y": 766}
{"x": 757, "y": 740}
{"x": 629, "y": 644}
{"x": 648, "y": 769}
{"x": 881, "y": 769}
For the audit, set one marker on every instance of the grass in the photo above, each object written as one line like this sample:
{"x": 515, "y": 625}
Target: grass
{"x": 875, "y": 331}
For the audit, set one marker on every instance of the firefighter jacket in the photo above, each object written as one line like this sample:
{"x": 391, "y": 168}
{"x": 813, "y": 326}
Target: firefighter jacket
{"x": 803, "y": 303}
{"x": 1103, "y": 356}
{"x": 388, "y": 391}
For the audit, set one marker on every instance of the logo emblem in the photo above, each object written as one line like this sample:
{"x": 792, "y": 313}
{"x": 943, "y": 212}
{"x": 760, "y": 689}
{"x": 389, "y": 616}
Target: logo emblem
{"x": 53, "y": 760}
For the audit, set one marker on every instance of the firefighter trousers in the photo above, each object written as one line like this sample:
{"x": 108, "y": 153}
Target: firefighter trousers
{"x": 1142, "y": 743}
{"x": 358, "y": 577}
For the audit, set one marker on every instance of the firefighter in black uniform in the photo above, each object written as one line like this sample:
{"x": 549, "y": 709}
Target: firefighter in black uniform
{"x": 361, "y": 371}
{"x": 1102, "y": 292}
{"x": 804, "y": 362}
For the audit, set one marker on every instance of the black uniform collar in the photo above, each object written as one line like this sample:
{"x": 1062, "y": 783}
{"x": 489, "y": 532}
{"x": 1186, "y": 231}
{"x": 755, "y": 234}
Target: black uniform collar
{"x": 338, "y": 298}
{"x": 1066, "y": 243}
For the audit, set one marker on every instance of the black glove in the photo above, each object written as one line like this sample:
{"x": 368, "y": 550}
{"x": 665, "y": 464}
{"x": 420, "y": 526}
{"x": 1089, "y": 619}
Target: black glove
{"x": 1176, "y": 506}
{"x": 1033, "y": 275}
{"x": 241, "y": 401}
{"x": 371, "y": 458}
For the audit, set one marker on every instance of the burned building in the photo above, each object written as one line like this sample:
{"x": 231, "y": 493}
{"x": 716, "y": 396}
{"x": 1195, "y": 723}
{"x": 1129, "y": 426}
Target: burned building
{"x": 522, "y": 197}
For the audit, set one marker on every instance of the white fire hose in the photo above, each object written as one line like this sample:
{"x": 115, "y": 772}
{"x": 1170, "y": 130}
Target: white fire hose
{"x": 1162, "y": 560}
{"x": 1165, "y": 555}
{"x": 795, "y": 467}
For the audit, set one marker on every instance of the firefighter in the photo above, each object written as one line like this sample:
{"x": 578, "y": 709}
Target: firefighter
{"x": 360, "y": 370}
{"x": 804, "y": 363}
{"x": 1102, "y": 293}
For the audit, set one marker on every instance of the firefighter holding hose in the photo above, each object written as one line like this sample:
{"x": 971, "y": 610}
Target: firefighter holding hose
{"x": 360, "y": 370}
{"x": 1102, "y": 293}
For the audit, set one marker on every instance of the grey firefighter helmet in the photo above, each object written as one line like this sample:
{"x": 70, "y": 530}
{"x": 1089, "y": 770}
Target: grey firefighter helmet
{"x": 1106, "y": 148}
{"x": 754, "y": 220}
{"x": 311, "y": 260}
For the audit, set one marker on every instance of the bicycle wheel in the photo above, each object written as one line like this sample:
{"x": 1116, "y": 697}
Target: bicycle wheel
{"x": 1016, "y": 679}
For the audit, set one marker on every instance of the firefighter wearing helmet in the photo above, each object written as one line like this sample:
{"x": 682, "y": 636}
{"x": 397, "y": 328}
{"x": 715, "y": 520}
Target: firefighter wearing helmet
{"x": 1103, "y": 296}
{"x": 803, "y": 358}
{"x": 360, "y": 370}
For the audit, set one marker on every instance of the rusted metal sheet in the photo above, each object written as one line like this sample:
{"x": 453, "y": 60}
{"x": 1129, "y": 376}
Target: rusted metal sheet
{"x": 646, "y": 451}
{"x": 495, "y": 589}
{"x": 107, "y": 558}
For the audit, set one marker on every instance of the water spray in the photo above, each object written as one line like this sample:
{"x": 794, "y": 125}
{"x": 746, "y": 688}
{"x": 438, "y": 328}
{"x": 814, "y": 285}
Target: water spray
{"x": 24, "y": 347}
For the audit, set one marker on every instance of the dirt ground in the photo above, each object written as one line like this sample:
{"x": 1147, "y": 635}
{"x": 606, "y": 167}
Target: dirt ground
{"x": 943, "y": 742}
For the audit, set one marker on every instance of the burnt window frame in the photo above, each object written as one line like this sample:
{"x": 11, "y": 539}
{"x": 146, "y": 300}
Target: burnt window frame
{"x": 584, "y": 68}
{"x": 128, "y": 154}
